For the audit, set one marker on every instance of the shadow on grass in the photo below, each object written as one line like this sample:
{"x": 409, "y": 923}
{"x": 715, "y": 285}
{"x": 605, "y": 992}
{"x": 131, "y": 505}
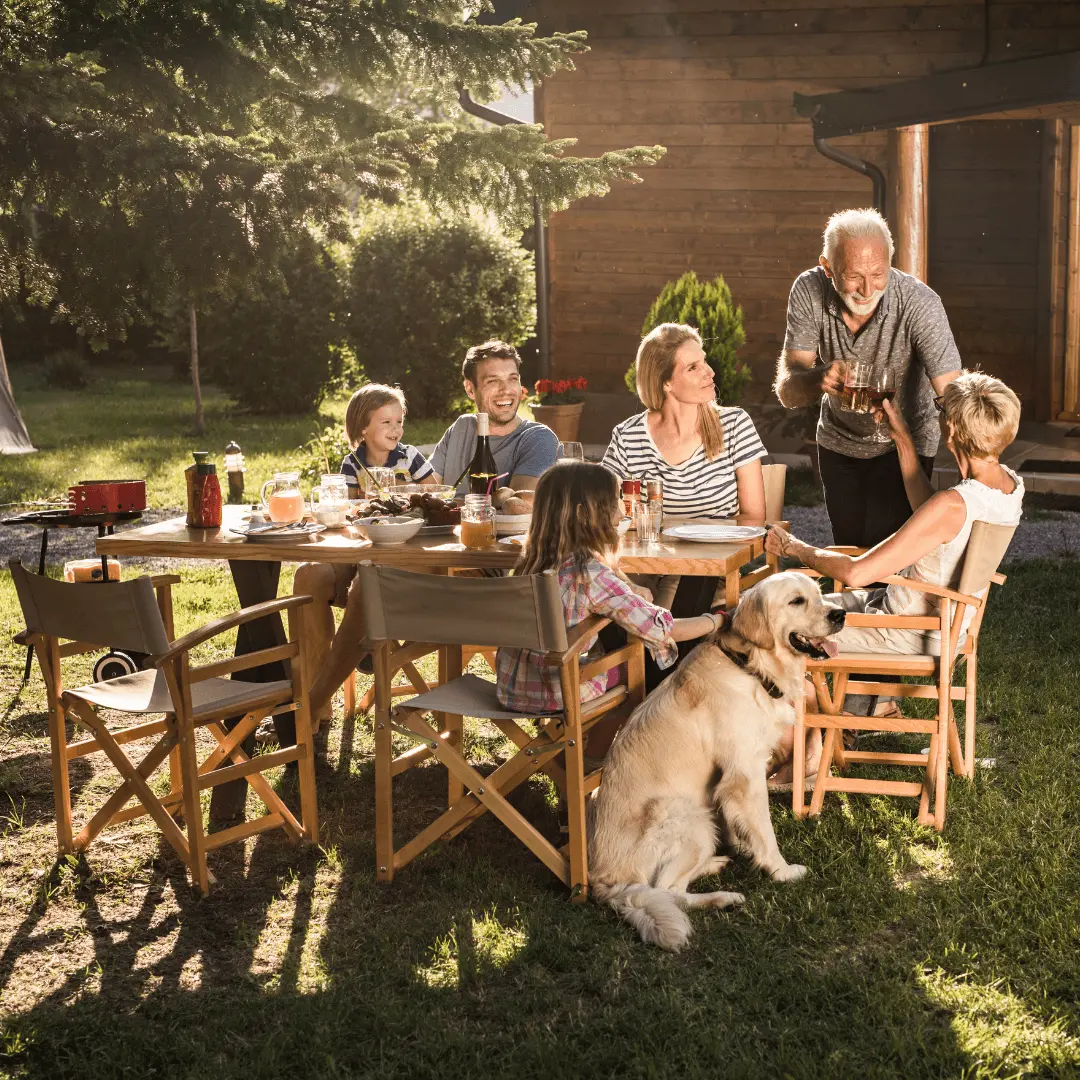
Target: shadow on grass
{"x": 903, "y": 953}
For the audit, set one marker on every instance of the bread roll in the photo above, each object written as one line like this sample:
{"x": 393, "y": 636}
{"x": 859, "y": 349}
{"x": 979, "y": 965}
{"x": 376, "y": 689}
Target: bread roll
{"x": 516, "y": 506}
{"x": 526, "y": 494}
{"x": 500, "y": 496}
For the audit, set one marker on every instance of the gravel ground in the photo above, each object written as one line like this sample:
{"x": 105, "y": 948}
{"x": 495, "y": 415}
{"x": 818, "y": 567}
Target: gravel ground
{"x": 1050, "y": 534}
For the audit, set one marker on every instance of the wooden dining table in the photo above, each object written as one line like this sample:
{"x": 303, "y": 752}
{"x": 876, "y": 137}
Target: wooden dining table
{"x": 256, "y": 568}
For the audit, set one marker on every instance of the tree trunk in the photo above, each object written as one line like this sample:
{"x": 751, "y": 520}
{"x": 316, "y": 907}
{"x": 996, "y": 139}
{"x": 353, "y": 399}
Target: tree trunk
{"x": 200, "y": 426}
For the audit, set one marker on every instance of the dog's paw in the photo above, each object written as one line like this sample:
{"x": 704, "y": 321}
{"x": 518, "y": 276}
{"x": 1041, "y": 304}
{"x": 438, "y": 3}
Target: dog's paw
{"x": 716, "y": 864}
{"x": 789, "y": 872}
{"x": 728, "y": 899}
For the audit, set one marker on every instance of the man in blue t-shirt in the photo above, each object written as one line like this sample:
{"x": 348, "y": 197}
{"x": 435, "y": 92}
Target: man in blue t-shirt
{"x": 523, "y": 449}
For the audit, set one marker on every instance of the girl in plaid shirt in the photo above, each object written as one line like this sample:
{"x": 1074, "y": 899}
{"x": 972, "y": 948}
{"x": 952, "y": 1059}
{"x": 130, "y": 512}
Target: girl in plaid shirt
{"x": 574, "y": 531}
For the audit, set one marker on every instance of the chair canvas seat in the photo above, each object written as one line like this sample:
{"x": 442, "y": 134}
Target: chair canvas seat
{"x": 148, "y": 692}
{"x": 468, "y": 695}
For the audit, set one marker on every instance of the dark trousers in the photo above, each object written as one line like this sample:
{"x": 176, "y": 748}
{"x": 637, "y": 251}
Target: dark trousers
{"x": 865, "y": 497}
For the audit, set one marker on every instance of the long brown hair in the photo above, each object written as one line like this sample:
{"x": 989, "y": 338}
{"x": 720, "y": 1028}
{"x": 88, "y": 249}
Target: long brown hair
{"x": 655, "y": 365}
{"x": 574, "y": 511}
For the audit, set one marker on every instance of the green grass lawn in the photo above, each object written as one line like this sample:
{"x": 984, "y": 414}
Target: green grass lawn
{"x": 902, "y": 953}
{"x": 124, "y": 426}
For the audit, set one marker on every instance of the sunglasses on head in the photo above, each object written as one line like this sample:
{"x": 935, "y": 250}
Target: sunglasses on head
{"x": 939, "y": 403}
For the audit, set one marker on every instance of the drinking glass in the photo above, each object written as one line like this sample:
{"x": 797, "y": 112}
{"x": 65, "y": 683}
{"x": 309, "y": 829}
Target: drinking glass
{"x": 648, "y": 520}
{"x": 569, "y": 451}
{"x": 383, "y": 478}
{"x": 857, "y": 382}
{"x": 882, "y": 388}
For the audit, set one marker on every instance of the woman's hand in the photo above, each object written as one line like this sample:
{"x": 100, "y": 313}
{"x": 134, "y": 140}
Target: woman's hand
{"x": 889, "y": 415}
{"x": 777, "y": 540}
{"x": 644, "y": 593}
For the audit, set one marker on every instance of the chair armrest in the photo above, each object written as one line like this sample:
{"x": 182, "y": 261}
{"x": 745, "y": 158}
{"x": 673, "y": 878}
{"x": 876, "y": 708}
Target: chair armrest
{"x": 893, "y": 622}
{"x": 933, "y": 590}
{"x": 227, "y": 622}
{"x": 160, "y": 581}
{"x": 998, "y": 579}
{"x": 581, "y": 632}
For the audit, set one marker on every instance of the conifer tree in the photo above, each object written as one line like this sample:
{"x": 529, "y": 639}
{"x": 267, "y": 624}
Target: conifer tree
{"x": 162, "y": 151}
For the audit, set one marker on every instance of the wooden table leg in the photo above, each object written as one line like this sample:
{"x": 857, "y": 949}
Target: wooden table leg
{"x": 255, "y": 582}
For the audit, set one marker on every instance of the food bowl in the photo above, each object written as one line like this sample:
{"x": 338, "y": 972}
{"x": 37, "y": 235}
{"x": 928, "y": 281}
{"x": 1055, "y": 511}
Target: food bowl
{"x": 382, "y": 531}
{"x": 511, "y": 524}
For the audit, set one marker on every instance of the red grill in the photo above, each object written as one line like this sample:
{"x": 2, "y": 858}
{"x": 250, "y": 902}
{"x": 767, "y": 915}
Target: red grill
{"x": 107, "y": 497}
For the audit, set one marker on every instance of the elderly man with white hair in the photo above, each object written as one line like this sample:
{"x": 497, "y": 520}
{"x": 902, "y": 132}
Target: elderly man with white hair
{"x": 856, "y": 307}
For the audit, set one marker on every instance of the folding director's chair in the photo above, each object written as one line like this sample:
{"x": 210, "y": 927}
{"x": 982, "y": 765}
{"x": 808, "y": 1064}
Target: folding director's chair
{"x": 408, "y": 612}
{"x": 986, "y": 548}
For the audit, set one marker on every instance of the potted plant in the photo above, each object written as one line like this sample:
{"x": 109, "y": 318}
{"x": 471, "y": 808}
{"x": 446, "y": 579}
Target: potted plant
{"x": 558, "y": 404}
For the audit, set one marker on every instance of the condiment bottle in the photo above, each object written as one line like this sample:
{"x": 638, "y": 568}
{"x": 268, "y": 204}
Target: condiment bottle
{"x": 203, "y": 492}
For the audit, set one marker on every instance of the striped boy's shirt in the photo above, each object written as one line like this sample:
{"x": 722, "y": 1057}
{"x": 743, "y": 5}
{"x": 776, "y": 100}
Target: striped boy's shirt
{"x": 698, "y": 487}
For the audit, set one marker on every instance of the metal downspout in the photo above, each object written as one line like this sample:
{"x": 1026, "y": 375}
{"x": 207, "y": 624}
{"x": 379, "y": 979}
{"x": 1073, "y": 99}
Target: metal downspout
{"x": 867, "y": 168}
{"x": 543, "y": 341}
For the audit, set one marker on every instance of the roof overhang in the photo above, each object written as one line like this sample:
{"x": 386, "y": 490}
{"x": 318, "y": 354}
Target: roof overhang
{"x": 1036, "y": 88}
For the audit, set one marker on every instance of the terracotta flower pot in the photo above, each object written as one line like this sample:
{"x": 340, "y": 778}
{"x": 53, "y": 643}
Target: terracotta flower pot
{"x": 564, "y": 420}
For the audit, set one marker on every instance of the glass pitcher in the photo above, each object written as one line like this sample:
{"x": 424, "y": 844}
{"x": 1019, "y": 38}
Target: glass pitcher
{"x": 330, "y": 500}
{"x": 282, "y": 499}
{"x": 478, "y": 522}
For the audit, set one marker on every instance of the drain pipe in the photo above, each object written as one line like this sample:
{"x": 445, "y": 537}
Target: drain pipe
{"x": 543, "y": 341}
{"x": 867, "y": 168}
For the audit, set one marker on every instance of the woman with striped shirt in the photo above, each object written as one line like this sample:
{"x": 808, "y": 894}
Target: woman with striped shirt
{"x": 708, "y": 456}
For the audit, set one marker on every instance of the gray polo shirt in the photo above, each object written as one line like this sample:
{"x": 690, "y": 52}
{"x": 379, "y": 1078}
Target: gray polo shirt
{"x": 909, "y": 332}
{"x": 528, "y": 450}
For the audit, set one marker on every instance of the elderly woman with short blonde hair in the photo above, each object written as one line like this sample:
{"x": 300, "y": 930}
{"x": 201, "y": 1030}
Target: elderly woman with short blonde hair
{"x": 979, "y": 416}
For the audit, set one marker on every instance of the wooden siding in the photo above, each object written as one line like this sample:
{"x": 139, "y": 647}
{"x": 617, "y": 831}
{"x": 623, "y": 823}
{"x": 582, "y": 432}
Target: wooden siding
{"x": 741, "y": 190}
{"x": 985, "y": 180}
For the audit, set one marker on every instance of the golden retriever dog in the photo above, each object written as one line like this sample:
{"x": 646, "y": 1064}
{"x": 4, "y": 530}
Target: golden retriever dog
{"x": 694, "y": 756}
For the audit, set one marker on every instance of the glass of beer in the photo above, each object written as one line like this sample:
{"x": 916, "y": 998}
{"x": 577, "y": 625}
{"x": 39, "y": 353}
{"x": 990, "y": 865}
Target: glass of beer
{"x": 882, "y": 388}
{"x": 857, "y": 381}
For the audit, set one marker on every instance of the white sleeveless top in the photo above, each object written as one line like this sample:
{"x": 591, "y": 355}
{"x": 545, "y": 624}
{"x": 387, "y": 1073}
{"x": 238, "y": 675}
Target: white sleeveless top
{"x": 942, "y": 565}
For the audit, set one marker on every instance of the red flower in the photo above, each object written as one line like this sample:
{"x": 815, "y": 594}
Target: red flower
{"x": 543, "y": 386}
{"x": 580, "y": 383}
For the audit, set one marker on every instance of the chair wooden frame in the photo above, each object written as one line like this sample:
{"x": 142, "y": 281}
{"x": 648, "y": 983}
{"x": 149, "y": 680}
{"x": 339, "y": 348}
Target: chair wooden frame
{"x": 188, "y": 776}
{"x": 894, "y": 669}
{"x": 556, "y": 747}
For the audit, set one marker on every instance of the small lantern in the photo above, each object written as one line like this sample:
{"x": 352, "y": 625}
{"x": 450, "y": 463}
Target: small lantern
{"x": 234, "y": 467}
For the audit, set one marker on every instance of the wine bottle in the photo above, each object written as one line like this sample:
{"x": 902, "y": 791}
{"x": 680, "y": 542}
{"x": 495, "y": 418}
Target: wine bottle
{"x": 482, "y": 469}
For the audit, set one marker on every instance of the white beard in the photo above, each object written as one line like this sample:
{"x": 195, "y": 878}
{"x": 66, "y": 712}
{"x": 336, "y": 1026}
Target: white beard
{"x": 860, "y": 307}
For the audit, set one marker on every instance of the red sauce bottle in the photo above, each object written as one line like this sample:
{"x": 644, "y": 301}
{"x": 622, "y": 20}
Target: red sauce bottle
{"x": 203, "y": 492}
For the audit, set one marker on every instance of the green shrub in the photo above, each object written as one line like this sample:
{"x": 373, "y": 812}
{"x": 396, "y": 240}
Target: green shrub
{"x": 277, "y": 346}
{"x": 708, "y": 306}
{"x": 66, "y": 369}
{"x": 422, "y": 290}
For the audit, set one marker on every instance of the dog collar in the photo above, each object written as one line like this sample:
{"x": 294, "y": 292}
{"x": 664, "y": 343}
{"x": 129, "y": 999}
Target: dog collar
{"x": 741, "y": 660}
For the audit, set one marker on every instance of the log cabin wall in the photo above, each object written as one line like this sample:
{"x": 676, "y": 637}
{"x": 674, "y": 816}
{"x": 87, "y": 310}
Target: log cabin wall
{"x": 741, "y": 190}
{"x": 985, "y": 179}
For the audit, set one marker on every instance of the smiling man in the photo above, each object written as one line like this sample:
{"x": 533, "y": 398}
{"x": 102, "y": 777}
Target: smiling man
{"x": 855, "y": 306}
{"x": 523, "y": 449}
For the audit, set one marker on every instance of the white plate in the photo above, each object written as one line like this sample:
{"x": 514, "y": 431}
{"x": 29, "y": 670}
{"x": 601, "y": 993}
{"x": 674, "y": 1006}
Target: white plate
{"x": 713, "y": 534}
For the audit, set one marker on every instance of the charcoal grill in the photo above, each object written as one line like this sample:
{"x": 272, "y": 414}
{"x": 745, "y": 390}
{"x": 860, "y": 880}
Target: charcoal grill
{"x": 66, "y": 519}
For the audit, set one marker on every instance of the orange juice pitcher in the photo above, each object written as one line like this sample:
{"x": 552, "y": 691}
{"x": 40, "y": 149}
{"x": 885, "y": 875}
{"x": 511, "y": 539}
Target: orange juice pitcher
{"x": 282, "y": 498}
